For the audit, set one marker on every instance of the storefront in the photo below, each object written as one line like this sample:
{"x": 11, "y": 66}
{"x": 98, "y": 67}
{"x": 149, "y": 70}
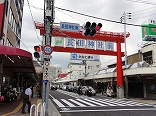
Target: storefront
{"x": 14, "y": 64}
{"x": 150, "y": 86}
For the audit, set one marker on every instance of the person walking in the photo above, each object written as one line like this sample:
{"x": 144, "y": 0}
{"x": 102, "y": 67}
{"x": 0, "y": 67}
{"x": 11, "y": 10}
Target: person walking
{"x": 27, "y": 100}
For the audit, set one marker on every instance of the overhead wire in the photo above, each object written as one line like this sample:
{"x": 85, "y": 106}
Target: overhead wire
{"x": 91, "y": 16}
{"x": 33, "y": 21}
{"x": 87, "y": 16}
{"x": 71, "y": 16}
{"x": 141, "y": 1}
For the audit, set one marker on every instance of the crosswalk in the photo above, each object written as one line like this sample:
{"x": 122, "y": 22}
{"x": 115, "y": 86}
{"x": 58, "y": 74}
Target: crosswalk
{"x": 96, "y": 102}
{"x": 75, "y": 95}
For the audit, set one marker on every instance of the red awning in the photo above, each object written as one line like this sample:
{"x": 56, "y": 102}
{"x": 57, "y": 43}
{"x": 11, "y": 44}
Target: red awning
{"x": 16, "y": 60}
{"x": 62, "y": 75}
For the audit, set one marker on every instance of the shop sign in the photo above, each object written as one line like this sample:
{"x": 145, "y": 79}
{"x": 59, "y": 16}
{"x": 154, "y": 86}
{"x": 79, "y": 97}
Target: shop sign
{"x": 89, "y": 57}
{"x": 83, "y": 43}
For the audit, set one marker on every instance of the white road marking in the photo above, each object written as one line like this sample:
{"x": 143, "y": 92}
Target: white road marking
{"x": 58, "y": 103}
{"x": 68, "y": 103}
{"x": 78, "y": 103}
{"x": 111, "y": 101}
{"x": 108, "y": 110}
{"x": 95, "y": 102}
{"x": 85, "y": 102}
{"x": 110, "y": 104}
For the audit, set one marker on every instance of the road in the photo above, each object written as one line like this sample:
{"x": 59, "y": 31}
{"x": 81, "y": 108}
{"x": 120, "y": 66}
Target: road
{"x": 72, "y": 104}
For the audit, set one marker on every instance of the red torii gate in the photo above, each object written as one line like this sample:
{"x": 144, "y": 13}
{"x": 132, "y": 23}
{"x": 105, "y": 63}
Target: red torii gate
{"x": 102, "y": 35}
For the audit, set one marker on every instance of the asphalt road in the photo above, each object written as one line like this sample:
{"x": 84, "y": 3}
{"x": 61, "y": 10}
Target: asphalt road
{"x": 72, "y": 104}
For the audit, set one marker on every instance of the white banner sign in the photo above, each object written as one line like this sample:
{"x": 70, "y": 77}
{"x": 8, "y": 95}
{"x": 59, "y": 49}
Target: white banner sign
{"x": 78, "y": 56}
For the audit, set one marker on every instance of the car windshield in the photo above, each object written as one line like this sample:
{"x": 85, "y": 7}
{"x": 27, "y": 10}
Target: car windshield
{"x": 90, "y": 88}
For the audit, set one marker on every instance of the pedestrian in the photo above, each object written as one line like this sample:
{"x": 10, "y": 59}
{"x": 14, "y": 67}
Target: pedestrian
{"x": 27, "y": 100}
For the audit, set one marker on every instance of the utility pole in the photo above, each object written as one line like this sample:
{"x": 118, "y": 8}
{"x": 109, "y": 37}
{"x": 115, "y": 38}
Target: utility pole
{"x": 126, "y": 79}
{"x": 84, "y": 62}
{"x": 48, "y": 23}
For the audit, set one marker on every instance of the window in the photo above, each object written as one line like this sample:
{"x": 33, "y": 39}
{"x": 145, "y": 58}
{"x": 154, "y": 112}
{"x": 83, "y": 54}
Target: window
{"x": 8, "y": 43}
{"x": 6, "y": 8}
{"x": 10, "y": 16}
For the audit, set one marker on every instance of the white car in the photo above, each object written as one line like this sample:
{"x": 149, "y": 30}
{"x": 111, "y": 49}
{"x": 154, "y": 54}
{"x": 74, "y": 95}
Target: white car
{"x": 64, "y": 87}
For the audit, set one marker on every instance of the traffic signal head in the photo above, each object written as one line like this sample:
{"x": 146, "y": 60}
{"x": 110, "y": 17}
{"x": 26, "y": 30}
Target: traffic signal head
{"x": 37, "y": 51}
{"x": 86, "y": 28}
{"x": 98, "y": 27}
{"x": 91, "y": 29}
{"x": 37, "y": 48}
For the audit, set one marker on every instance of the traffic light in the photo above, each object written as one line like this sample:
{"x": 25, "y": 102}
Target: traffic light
{"x": 98, "y": 27}
{"x": 86, "y": 28}
{"x": 37, "y": 51}
{"x": 91, "y": 29}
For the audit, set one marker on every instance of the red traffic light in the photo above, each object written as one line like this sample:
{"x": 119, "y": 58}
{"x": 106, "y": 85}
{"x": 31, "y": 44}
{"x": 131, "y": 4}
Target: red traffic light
{"x": 37, "y": 48}
{"x": 37, "y": 51}
{"x": 98, "y": 27}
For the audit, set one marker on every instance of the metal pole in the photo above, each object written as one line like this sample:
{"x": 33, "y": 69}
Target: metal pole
{"x": 126, "y": 79}
{"x": 125, "y": 40}
{"x": 70, "y": 66}
{"x": 48, "y": 23}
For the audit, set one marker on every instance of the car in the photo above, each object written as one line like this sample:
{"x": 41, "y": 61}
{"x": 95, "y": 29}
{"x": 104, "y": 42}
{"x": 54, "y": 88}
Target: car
{"x": 64, "y": 87}
{"x": 88, "y": 90}
{"x": 54, "y": 87}
{"x": 75, "y": 89}
{"x": 69, "y": 87}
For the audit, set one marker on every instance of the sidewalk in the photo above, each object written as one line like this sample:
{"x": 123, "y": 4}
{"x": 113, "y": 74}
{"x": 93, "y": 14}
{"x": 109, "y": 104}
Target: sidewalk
{"x": 14, "y": 108}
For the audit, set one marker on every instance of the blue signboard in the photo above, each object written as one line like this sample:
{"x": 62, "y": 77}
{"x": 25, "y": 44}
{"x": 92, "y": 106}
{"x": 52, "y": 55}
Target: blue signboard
{"x": 45, "y": 81}
{"x": 73, "y": 27}
{"x": 89, "y": 57}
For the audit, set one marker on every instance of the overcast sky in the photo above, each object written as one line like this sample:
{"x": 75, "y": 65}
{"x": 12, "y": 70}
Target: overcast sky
{"x": 106, "y": 9}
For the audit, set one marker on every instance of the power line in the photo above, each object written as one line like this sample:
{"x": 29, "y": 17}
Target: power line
{"x": 98, "y": 17}
{"x": 141, "y": 1}
{"x": 90, "y": 16}
{"x": 33, "y": 21}
{"x": 71, "y": 16}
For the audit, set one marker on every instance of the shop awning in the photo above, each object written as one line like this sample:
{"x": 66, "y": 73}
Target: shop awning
{"x": 16, "y": 60}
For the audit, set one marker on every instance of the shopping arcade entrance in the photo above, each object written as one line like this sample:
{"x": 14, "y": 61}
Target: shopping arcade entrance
{"x": 118, "y": 38}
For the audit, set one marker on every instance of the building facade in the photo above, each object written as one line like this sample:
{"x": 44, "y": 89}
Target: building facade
{"x": 16, "y": 65}
{"x": 11, "y": 22}
{"x": 140, "y": 75}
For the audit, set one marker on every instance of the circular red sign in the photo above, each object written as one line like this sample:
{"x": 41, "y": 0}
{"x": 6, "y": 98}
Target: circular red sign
{"x": 47, "y": 49}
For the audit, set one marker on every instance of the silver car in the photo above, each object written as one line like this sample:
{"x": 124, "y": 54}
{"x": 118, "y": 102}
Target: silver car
{"x": 86, "y": 88}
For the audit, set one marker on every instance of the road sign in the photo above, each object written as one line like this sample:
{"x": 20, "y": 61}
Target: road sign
{"x": 73, "y": 27}
{"x": 47, "y": 49}
{"x": 47, "y": 56}
{"x": 45, "y": 81}
{"x": 46, "y": 70}
{"x": 88, "y": 57}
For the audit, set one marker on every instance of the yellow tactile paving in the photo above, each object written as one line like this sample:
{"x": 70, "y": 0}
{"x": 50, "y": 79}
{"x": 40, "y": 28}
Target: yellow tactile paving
{"x": 15, "y": 110}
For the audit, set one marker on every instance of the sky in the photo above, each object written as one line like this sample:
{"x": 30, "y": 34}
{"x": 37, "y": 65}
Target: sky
{"x": 141, "y": 11}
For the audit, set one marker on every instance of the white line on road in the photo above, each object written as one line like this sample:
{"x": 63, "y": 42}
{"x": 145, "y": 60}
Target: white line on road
{"x": 95, "y": 102}
{"x": 85, "y": 102}
{"x": 108, "y": 110}
{"x": 58, "y": 103}
{"x": 82, "y": 105}
{"x": 68, "y": 103}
